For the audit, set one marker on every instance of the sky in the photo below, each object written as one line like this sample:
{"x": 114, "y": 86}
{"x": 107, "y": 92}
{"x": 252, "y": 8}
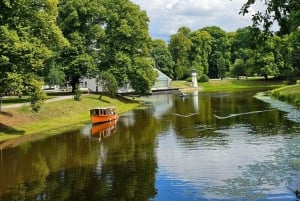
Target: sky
{"x": 166, "y": 16}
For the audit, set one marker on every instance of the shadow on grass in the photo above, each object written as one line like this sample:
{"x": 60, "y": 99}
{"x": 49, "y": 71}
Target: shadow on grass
{"x": 119, "y": 97}
{"x": 10, "y": 130}
{"x": 7, "y": 129}
{"x": 6, "y": 114}
{"x": 99, "y": 98}
{"x": 127, "y": 100}
{"x": 14, "y": 100}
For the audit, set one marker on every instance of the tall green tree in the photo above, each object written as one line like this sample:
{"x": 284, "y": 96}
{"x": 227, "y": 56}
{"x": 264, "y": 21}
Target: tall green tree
{"x": 262, "y": 60}
{"x": 162, "y": 57}
{"x": 180, "y": 46}
{"x": 219, "y": 57}
{"x": 200, "y": 49}
{"x": 81, "y": 22}
{"x": 127, "y": 44}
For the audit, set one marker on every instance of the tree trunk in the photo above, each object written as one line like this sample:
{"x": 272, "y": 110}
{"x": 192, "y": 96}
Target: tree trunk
{"x": 74, "y": 82}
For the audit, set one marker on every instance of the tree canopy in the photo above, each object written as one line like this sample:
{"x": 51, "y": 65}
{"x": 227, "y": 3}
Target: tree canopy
{"x": 28, "y": 33}
{"x": 285, "y": 12}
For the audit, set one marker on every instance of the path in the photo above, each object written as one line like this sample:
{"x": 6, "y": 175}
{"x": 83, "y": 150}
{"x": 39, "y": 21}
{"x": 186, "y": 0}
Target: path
{"x": 17, "y": 105}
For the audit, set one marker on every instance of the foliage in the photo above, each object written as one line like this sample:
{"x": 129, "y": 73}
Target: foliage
{"x": 109, "y": 83}
{"x": 55, "y": 76}
{"x": 219, "y": 57}
{"x": 162, "y": 57}
{"x": 36, "y": 95}
{"x": 143, "y": 80}
{"x": 294, "y": 41}
{"x": 285, "y": 12}
{"x": 238, "y": 68}
{"x": 180, "y": 45}
{"x": 290, "y": 94}
{"x": 203, "y": 78}
{"x": 81, "y": 23}
{"x": 200, "y": 50}
{"x": 127, "y": 44}
{"x": 28, "y": 32}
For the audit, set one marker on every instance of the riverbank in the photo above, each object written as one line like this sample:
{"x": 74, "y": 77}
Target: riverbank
{"x": 56, "y": 117}
{"x": 230, "y": 85}
{"x": 290, "y": 94}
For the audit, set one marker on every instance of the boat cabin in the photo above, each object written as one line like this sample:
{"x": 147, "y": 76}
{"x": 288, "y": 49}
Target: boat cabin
{"x": 103, "y": 111}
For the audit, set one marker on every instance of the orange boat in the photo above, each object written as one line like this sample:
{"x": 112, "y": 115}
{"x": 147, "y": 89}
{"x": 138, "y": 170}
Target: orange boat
{"x": 104, "y": 114}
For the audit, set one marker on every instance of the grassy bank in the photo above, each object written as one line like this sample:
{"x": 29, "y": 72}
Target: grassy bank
{"x": 290, "y": 94}
{"x": 230, "y": 85}
{"x": 55, "y": 117}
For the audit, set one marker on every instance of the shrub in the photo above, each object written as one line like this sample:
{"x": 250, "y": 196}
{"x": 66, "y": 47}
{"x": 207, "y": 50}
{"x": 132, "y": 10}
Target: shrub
{"x": 203, "y": 78}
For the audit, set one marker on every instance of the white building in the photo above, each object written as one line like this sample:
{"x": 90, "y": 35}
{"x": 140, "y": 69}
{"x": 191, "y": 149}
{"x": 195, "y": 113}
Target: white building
{"x": 162, "y": 82}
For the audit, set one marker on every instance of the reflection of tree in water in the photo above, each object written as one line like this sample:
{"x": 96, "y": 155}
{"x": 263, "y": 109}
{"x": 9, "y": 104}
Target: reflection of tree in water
{"x": 131, "y": 159}
{"x": 67, "y": 167}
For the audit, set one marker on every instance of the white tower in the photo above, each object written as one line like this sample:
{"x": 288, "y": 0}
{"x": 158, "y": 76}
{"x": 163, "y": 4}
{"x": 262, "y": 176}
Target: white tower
{"x": 194, "y": 79}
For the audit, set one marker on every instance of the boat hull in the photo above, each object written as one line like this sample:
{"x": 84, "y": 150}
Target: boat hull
{"x": 96, "y": 119}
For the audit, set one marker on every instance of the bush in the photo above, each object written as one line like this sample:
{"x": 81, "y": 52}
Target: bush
{"x": 203, "y": 78}
{"x": 189, "y": 79}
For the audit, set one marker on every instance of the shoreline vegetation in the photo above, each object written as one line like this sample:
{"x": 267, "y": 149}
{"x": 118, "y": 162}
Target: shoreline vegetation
{"x": 290, "y": 94}
{"x": 18, "y": 125}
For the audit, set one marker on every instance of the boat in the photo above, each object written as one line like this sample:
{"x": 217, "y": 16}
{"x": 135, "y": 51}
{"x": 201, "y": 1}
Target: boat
{"x": 103, "y": 114}
{"x": 183, "y": 94}
{"x": 104, "y": 130}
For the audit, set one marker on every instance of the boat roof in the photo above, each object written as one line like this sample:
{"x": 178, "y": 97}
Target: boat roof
{"x": 104, "y": 108}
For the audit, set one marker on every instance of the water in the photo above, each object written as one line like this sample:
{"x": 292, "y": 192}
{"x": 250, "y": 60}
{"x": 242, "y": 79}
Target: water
{"x": 207, "y": 146}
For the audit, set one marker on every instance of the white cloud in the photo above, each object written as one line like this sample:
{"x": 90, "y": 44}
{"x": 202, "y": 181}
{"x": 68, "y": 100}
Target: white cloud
{"x": 166, "y": 16}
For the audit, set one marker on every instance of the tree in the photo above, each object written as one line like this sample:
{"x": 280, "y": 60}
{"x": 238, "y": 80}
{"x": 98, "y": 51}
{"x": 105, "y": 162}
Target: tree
{"x": 28, "y": 32}
{"x": 143, "y": 76}
{"x": 238, "y": 68}
{"x": 219, "y": 57}
{"x": 162, "y": 57}
{"x": 180, "y": 46}
{"x": 108, "y": 82}
{"x": 55, "y": 76}
{"x": 242, "y": 43}
{"x": 82, "y": 24}
{"x": 262, "y": 61}
{"x": 285, "y": 12}
{"x": 294, "y": 41}
{"x": 200, "y": 50}
{"x": 127, "y": 44}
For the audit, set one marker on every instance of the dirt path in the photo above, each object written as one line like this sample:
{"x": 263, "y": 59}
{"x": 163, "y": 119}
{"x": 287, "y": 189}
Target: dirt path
{"x": 17, "y": 105}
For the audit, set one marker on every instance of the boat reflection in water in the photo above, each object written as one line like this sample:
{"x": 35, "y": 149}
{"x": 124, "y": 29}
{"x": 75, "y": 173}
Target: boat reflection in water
{"x": 103, "y": 130}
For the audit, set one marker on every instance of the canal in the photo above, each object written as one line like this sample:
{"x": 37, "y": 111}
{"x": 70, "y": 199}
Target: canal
{"x": 205, "y": 146}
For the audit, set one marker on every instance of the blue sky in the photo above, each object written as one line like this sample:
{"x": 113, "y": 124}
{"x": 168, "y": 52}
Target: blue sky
{"x": 166, "y": 16}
